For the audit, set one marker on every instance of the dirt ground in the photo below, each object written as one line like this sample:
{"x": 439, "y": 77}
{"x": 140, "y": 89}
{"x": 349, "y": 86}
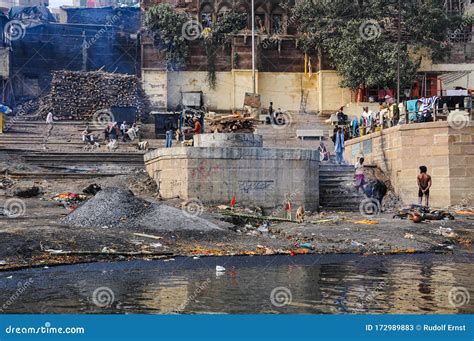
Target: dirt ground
{"x": 36, "y": 238}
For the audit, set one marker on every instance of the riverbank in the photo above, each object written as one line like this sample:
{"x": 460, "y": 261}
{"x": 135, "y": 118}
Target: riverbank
{"x": 38, "y": 237}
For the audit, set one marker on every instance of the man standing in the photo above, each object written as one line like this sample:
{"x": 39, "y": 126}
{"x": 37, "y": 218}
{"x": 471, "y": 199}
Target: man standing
{"x": 339, "y": 146}
{"x": 271, "y": 113}
{"x": 169, "y": 129}
{"x": 197, "y": 126}
{"x": 424, "y": 185}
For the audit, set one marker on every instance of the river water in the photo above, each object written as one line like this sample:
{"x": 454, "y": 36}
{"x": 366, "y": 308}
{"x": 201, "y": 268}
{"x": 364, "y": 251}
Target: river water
{"x": 329, "y": 284}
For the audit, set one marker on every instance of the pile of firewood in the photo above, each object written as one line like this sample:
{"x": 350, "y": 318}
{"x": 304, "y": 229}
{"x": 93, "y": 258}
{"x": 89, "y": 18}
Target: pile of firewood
{"x": 235, "y": 123}
{"x": 77, "y": 95}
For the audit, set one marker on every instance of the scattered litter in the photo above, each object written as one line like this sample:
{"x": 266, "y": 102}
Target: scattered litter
{"x": 223, "y": 207}
{"x": 147, "y": 236}
{"x": 445, "y": 232}
{"x": 219, "y": 268}
{"x": 409, "y": 236}
{"x": 27, "y": 192}
{"x": 156, "y": 245}
{"x": 366, "y": 222}
{"x": 464, "y": 212}
{"x": 354, "y": 243}
{"x": 305, "y": 246}
{"x": 92, "y": 189}
{"x": 323, "y": 221}
{"x": 53, "y": 251}
{"x": 2, "y": 262}
{"x": 105, "y": 227}
{"x": 263, "y": 228}
{"x": 450, "y": 247}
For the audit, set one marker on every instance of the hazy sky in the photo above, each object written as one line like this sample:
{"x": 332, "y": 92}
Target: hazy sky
{"x": 58, "y": 3}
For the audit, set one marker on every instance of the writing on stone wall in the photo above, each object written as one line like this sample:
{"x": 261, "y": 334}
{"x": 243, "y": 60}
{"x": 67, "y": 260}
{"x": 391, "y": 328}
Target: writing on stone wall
{"x": 255, "y": 186}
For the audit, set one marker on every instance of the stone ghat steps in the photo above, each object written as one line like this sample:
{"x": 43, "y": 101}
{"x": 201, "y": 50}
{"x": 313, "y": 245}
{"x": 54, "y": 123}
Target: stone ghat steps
{"x": 86, "y": 158}
{"x": 336, "y": 188}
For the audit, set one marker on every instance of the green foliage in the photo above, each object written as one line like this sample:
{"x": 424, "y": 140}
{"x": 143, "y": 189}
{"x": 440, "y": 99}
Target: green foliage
{"x": 360, "y": 37}
{"x": 216, "y": 36}
{"x": 166, "y": 25}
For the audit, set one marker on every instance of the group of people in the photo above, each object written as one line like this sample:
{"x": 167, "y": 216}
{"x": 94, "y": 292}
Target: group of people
{"x": 112, "y": 133}
{"x": 172, "y": 130}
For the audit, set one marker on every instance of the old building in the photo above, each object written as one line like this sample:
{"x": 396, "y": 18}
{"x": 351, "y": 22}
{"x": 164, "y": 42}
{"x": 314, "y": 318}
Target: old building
{"x": 281, "y": 65}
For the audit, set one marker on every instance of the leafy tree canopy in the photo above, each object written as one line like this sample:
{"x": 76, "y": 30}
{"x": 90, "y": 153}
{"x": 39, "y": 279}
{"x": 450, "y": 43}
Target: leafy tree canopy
{"x": 360, "y": 37}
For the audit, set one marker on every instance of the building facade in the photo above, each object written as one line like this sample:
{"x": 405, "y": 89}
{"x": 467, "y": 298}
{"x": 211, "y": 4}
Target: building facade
{"x": 285, "y": 76}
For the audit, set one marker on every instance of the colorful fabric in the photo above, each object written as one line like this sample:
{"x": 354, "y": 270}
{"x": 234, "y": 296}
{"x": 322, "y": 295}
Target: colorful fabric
{"x": 412, "y": 105}
{"x": 427, "y": 103}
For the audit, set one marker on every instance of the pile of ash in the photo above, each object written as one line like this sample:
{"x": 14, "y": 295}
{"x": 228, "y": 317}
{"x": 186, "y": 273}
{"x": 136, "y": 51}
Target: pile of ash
{"x": 119, "y": 208}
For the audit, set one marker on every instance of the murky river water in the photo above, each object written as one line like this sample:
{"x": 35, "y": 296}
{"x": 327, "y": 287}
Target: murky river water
{"x": 304, "y": 284}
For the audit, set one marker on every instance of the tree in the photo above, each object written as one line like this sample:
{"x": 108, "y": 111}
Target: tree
{"x": 360, "y": 37}
{"x": 167, "y": 26}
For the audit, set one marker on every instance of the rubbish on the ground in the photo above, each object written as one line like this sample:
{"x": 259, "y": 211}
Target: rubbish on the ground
{"x": 219, "y": 268}
{"x": 366, "y": 222}
{"x": 445, "y": 232}
{"x": 2, "y": 262}
{"x": 233, "y": 201}
{"x": 413, "y": 211}
{"x": 69, "y": 200}
{"x": 450, "y": 247}
{"x": 92, "y": 189}
{"x": 104, "y": 227}
{"x": 305, "y": 246}
{"x": 53, "y": 251}
{"x": 223, "y": 207}
{"x": 27, "y": 192}
{"x": 322, "y": 221}
{"x": 147, "y": 236}
{"x": 107, "y": 251}
{"x": 356, "y": 244}
{"x": 257, "y": 217}
{"x": 156, "y": 245}
{"x": 263, "y": 228}
{"x": 409, "y": 236}
{"x": 464, "y": 212}
{"x": 265, "y": 250}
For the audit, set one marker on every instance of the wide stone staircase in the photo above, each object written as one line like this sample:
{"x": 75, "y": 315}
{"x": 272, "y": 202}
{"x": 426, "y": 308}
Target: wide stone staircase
{"x": 336, "y": 188}
{"x": 286, "y": 136}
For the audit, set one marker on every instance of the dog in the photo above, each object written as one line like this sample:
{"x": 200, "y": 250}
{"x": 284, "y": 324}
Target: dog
{"x": 300, "y": 214}
{"x": 143, "y": 145}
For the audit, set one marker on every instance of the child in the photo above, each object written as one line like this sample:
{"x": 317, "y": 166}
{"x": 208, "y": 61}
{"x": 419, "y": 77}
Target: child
{"x": 359, "y": 176}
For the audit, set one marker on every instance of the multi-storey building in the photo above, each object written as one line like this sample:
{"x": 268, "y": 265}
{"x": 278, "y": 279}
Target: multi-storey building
{"x": 280, "y": 76}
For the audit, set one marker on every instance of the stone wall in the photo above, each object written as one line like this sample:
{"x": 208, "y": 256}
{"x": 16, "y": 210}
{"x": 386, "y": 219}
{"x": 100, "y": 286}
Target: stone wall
{"x": 399, "y": 151}
{"x": 255, "y": 176}
{"x": 284, "y": 89}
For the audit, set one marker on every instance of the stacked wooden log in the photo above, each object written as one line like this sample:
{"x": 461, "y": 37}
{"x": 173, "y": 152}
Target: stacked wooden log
{"x": 77, "y": 95}
{"x": 235, "y": 123}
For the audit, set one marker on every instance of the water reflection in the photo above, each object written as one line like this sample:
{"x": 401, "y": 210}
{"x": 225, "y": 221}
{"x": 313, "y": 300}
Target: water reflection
{"x": 307, "y": 284}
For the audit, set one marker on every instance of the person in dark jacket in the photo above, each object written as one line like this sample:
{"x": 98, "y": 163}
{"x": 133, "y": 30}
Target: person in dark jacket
{"x": 169, "y": 129}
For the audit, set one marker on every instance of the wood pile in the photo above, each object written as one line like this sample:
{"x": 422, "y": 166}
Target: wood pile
{"x": 77, "y": 95}
{"x": 235, "y": 123}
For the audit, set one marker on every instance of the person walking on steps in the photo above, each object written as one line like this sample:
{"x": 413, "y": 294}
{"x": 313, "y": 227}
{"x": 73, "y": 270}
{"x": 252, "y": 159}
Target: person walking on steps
{"x": 339, "y": 146}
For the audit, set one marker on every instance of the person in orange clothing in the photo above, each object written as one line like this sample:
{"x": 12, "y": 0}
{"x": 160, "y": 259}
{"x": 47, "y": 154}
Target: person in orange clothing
{"x": 197, "y": 126}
